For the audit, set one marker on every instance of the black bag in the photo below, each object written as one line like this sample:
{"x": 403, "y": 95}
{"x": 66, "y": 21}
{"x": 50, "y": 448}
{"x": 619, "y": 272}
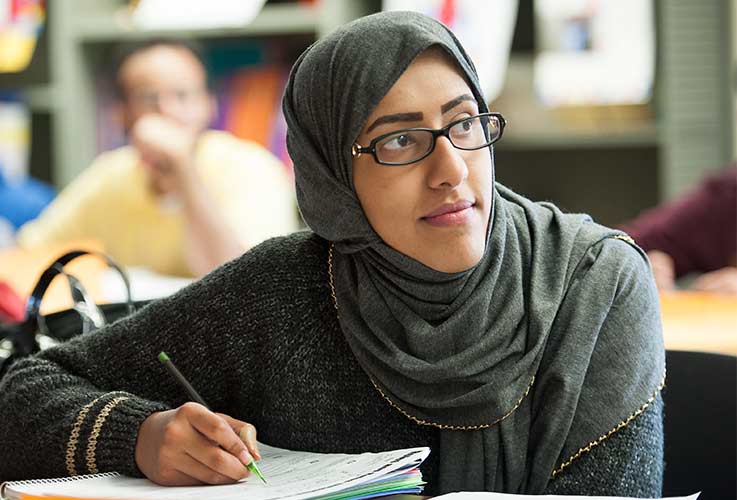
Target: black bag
{"x": 37, "y": 331}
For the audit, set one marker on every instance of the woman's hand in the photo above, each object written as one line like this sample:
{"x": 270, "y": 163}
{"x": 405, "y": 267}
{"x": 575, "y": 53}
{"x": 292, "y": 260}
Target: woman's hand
{"x": 191, "y": 445}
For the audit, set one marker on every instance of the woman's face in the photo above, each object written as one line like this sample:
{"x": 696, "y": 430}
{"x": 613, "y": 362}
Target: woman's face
{"x": 437, "y": 209}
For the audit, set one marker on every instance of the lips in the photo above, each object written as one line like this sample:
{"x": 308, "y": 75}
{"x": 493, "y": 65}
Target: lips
{"x": 450, "y": 214}
{"x": 448, "y": 208}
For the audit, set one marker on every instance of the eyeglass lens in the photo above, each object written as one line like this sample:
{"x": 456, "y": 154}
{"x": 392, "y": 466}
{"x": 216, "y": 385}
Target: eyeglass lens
{"x": 410, "y": 145}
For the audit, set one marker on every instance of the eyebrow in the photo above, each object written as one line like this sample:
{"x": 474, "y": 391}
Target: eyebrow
{"x": 398, "y": 117}
{"x": 455, "y": 102}
{"x": 414, "y": 117}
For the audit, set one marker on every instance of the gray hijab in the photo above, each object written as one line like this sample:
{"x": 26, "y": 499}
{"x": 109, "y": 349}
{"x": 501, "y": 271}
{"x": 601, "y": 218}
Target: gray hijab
{"x": 470, "y": 352}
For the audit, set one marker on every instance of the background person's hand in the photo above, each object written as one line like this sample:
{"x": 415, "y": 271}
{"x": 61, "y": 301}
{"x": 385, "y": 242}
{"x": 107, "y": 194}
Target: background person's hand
{"x": 167, "y": 149}
{"x": 663, "y": 270}
{"x": 722, "y": 280}
{"x": 191, "y": 445}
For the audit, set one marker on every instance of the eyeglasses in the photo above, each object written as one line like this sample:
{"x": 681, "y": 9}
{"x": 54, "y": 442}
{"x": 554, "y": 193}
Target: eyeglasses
{"x": 151, "y": 99}
{"x": 413, "y": 144}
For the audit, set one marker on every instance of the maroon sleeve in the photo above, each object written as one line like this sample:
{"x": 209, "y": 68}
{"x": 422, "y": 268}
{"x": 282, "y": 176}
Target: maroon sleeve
{"x": 698, "y": 230}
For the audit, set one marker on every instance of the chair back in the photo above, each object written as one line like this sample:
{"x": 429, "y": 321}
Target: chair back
{"x": 700, "y": 425}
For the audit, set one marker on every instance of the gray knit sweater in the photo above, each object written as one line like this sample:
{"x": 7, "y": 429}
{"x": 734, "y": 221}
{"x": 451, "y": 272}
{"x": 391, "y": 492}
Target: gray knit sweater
{"x": 260, "y": 340}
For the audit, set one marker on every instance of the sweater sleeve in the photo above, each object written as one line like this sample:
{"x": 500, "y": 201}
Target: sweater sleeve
{"x": 629, "y": 463}
{"x": 76, "y": 408}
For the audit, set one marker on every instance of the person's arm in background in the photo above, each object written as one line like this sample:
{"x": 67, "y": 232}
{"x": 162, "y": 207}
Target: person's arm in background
{"x": 74, "y": 213}
{"x": 696, "y": 233}
{"x": 167, "y": 150}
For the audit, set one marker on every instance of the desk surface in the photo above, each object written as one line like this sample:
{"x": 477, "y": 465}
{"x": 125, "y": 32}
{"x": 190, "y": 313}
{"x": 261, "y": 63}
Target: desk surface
{"x": 21, "y": 269}
{"x": 697, "y": 321}
{"x": 691, "y": 320}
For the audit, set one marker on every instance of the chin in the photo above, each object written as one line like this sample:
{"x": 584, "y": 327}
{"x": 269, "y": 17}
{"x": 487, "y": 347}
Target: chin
{"x": 456, "y": 259}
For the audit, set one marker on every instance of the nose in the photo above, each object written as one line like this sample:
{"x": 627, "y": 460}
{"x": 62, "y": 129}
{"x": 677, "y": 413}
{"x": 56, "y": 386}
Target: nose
{"x": 447, "y": 167}
{"x": 168, "y": 105}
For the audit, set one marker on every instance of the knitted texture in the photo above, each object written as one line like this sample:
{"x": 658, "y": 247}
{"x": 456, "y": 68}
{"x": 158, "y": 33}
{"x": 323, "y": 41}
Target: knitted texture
{"x": 260, "y": 340}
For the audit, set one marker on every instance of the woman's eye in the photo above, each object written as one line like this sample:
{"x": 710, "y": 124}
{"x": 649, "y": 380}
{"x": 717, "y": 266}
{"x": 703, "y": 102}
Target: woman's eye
{"x": 399, "y": 142}
{"x": 463, "y": 127}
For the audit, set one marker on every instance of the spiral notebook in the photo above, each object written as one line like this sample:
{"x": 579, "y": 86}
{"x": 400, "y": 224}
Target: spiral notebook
{"x": 292, "y": 475}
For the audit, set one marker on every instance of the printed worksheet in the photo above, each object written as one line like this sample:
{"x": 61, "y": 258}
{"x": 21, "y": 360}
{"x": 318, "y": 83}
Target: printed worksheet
{"x": 293, "y": 475}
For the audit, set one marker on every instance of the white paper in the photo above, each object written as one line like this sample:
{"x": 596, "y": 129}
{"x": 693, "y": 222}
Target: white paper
{"x": 145, "y": 284}
{"x": 290, "y": 474}
{"x": 197, "y": 14}
{"x": 508, "y": 496}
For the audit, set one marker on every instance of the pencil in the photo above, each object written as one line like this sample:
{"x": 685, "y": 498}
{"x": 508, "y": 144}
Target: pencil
{"x": 164, "y": 358}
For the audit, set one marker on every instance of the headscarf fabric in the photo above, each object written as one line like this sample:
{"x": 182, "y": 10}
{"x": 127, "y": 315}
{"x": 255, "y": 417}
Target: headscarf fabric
{"x": 464, "y": 352}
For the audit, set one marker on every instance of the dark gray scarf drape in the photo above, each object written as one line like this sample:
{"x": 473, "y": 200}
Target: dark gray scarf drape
{"x": 464, "y": 352}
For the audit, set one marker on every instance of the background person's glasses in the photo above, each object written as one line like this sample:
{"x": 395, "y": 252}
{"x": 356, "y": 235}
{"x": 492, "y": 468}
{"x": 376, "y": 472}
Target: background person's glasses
{"x": 152, "y": 99}
{"x": 413, "y": 144}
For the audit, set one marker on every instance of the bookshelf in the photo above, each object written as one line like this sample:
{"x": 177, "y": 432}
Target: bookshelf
{"x": 59, "y": 85}
{"x": 615, "y": 171}
{"x": 610, "y": 172}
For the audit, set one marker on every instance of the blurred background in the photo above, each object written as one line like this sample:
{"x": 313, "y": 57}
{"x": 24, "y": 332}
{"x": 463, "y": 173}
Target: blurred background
{"x": 613, "y": 106}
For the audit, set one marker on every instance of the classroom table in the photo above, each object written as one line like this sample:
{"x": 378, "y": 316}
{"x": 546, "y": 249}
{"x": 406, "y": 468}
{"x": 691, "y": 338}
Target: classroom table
{"x": 692, "y": 321}
{"x": 698, "y": 321}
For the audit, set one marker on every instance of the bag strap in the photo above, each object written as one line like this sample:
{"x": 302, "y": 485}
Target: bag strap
{"x": 25, "y": 340}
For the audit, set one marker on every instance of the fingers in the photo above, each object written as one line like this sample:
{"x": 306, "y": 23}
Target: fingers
{"x": 663, "y": 269}
{"x": 217, "y": 465}
{"x": 721, "y": 281}
{"x": 191, "y": 445}
{"x": 212, "y": 465}
{"x": 191, "y": 472}
{"x": 246, "y": 432}
{"x": 216, "y": 429}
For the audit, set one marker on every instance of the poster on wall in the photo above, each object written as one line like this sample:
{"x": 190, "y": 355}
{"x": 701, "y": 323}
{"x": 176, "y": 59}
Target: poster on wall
{"x": 594, "y": 52}
{"x": 484, "y": 27}
{"x": 21, "y": 23}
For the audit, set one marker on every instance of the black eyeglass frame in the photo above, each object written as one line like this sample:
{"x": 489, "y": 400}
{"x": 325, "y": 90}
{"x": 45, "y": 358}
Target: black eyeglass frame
{"x": 357, "y": 150}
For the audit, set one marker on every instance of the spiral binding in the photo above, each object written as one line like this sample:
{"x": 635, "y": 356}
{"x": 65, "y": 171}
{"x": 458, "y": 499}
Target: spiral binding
{"x": 52, "y": 480}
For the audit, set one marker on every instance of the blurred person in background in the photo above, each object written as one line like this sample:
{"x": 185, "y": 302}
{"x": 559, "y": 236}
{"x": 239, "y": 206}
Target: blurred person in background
{"x": 179, "y": 199}
{"x": 696, "y": 233}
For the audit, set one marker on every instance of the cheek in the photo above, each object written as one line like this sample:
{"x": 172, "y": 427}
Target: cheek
{"x": 480, "y": 177}
{"x": 387, "y": 198}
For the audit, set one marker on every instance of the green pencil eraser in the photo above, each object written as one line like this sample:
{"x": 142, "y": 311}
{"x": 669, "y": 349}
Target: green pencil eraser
{"x": 163, "y": 357}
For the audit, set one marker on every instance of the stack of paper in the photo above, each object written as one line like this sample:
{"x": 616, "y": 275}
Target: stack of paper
{"x": 291, "y": 475}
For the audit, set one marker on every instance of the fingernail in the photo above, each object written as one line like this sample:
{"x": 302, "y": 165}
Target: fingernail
{"x": 245, "y": 457}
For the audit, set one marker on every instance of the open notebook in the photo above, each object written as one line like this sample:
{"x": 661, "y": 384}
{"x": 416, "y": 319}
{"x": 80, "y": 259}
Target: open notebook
{"x": 291, "y": 475}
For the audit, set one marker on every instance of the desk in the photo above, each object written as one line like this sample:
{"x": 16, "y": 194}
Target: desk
{"x": 697, "y": 321}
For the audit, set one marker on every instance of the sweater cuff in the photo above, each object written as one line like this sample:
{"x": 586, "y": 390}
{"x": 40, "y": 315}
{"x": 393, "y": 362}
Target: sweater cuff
{"x": 103, "y": 436}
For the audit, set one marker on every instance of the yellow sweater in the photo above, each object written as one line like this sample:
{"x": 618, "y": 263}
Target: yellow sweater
{"x": 112, "y": 202}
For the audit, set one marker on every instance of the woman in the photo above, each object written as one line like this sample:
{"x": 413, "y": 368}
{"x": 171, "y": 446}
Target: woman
{"x": 429, "y": 307}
